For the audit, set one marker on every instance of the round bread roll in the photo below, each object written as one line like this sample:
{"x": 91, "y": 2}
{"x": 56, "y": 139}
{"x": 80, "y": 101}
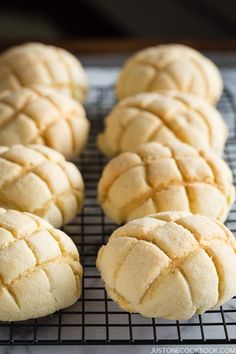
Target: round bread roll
{"x": 169, "y": 265}
{"x": 160, "y": 178}
{"x": 162, "y": 117}
{"x": 39, "y": 180}
{"x": 170, "y": 67}
{"x": 37, "y": 63}
{"x": 39, "y": 267}
{"x": 43, "y": 116}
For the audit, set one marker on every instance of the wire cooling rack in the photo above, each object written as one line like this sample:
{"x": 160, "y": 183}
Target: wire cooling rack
{"x": 95, "y": 319}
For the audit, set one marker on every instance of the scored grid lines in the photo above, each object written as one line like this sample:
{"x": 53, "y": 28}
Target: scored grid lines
{"x": 38, "y": 171}
{"x": 59, "y": 118}
{"x": 164, "y": 120}
{"x": 181, "y": 180}
{"x": 90, "y": 230}
{"x": 164, "y": 70}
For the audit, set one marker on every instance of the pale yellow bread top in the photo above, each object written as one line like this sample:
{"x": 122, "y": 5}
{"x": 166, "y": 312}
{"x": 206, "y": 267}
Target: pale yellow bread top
{"x": 161, "y": 177}
{"x": 169, "y": 265}
{"x": 39, "y": 115}
{"x": 163, "y": 117}
{"x": 170, "y": 67}
{"x": 37, "y": 63}
{"x": 37, "y": 179}
{"x": 40, "y": 271}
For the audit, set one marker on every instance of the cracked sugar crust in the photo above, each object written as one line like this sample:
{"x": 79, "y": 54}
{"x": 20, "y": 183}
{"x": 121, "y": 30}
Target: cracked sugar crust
{"x": 170, "y": 67}
{"x": 37, "y": 63}
{"x": 182, "y": 263}
{"x": 165, "y": 177}
{"x": 162, "y": 117}
{"x": 38, "y": 115}
{"x": 37, "y": 179}
{"x": 40, "y": 271}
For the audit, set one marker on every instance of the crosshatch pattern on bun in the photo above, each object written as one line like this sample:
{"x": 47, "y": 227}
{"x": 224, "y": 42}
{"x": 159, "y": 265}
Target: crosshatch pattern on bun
{"x": 39, "y": 265}
{"x": 169, "y": 265}
{"x": 38, "y": 115}
{"x": 162, "y": 117}
{"x": 36, "y": 63}
{"x": 159, "y": 178}
{"x": 170, "y": 67}
{"x": 37, "y": 179}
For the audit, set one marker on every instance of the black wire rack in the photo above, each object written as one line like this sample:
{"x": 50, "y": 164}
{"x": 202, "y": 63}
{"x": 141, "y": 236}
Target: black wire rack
{"x": 96, "y": 319}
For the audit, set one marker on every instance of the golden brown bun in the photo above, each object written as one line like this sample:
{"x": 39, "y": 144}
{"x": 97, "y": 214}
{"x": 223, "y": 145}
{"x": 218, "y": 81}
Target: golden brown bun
{"x": 170, "y": 67}
{"x": 160, "y": 178}
{"x": 37, "y": 179}
{"x": 169, "y": 265}
{"x": 40, "y": 269}
{"x": 37, "y": 63}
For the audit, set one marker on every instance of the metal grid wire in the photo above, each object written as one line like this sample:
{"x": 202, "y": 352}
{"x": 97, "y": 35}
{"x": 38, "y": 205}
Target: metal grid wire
{"x": 95, "y": 319}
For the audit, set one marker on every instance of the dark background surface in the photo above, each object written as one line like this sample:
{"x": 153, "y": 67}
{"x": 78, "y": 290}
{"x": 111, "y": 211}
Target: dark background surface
{"x": 163, "y": 19}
